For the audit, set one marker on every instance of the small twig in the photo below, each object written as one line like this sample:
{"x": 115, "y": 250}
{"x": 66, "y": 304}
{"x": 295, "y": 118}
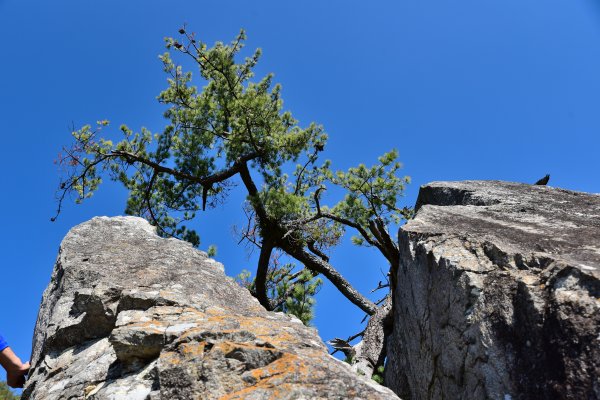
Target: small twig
{"x": 351, "y": 338}
{"x": 380, "y": 286}
{"x": 378, "y": 302}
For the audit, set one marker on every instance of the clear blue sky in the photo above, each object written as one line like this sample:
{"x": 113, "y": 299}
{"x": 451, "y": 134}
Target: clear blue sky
{"x": 476, "y": 89}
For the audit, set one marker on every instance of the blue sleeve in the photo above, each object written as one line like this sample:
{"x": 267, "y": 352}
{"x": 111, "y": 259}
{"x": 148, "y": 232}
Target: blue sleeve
{"x": 3, "y": 343}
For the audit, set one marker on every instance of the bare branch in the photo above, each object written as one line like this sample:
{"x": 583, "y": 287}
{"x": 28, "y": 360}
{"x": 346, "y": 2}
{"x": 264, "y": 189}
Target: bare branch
{"x": 380, "y": 286}
{"x": 350, "y": 339}
{"x": 311, "y": 247}
{"x": 208, "y": 180}
{"x": 311, "y": 159}
{"x": 66, "y": 188}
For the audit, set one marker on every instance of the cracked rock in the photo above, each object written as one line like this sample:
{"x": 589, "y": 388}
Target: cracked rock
{"x": 130, "y": 315}
{"x": 498, "y": 294}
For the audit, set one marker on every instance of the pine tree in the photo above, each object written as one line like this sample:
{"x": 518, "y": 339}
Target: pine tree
{"x": 236, "y": 128}
{"x": 6, "y": 393}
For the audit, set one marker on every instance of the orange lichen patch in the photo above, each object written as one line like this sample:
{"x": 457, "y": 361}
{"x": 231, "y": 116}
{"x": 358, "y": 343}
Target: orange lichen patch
{"x": 260, "y": 327}
{"x": 218, "y": 320}
{"x": 227, "y": 347}
{"x": 213, "y": 311}
{"x": 263, "y": 329}
{"x": 153, "y": 326}
{"x": 192, "y": 333}
{"x": 289, "y": 365}
{"x": 164, "y": 293}
{"x": 214, "y": 317}
{"x": 274, "y": 392}
{"x": 192, "y": 310}
{"x": 272, "y": 377}
{"x": 193, "y": 349}
{"x": 314, "y": 354}
{"x": 276, "y": 379}
{"x": 169, "y": 358}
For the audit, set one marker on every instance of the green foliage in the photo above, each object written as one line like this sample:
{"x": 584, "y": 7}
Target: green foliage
{"x": 6, "y": 393}
{"x": 232, "y": 118}
{"x": 236, "y": 126}
{"x": 372, "y": 192}
{"x": 290, "y": 292}
{"x": 301, "y": 301}
{"x": 212, "y": 250}
{"x": 378, "y": 376}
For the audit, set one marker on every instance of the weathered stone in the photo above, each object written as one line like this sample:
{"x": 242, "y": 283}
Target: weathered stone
{"x": 498, "y": 294}
{"x": 130, "y": 315}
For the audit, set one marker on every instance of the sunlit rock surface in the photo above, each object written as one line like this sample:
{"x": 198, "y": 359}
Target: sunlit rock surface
{"x": 498, "y": 294}
{"x": 130, "y": 315}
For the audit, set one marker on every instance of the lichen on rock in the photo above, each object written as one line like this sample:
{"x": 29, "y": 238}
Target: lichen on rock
{"x": 130, "y": 315}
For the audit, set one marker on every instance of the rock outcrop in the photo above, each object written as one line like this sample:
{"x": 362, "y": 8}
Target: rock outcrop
{"x": 130, "y": 315}
{"x": 498, "y": 294}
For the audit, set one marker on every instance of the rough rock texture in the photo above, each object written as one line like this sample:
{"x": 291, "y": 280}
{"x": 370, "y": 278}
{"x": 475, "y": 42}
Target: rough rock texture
{"x": 129, "y": 315}
{"x": 370, "y": 352}
{"x": 498, "y": 294}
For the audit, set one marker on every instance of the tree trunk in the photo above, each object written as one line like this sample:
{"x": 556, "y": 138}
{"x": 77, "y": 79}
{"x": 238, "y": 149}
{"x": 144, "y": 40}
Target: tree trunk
{"x": 316, "y": 264}
{"x": 261, "y": 273}
{"x": 370, "y": 353}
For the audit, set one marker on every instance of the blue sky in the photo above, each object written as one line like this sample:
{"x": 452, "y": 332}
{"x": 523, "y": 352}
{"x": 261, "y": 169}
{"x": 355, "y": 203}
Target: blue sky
{"x": 492, "y": 89}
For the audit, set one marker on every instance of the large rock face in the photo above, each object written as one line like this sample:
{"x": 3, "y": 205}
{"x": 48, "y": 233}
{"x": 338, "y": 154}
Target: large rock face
{"x": 129, "y": 315}
{"x": 498, "y": 294}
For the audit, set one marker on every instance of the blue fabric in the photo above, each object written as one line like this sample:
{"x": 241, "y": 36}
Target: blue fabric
{"x": 3, "y": 343}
